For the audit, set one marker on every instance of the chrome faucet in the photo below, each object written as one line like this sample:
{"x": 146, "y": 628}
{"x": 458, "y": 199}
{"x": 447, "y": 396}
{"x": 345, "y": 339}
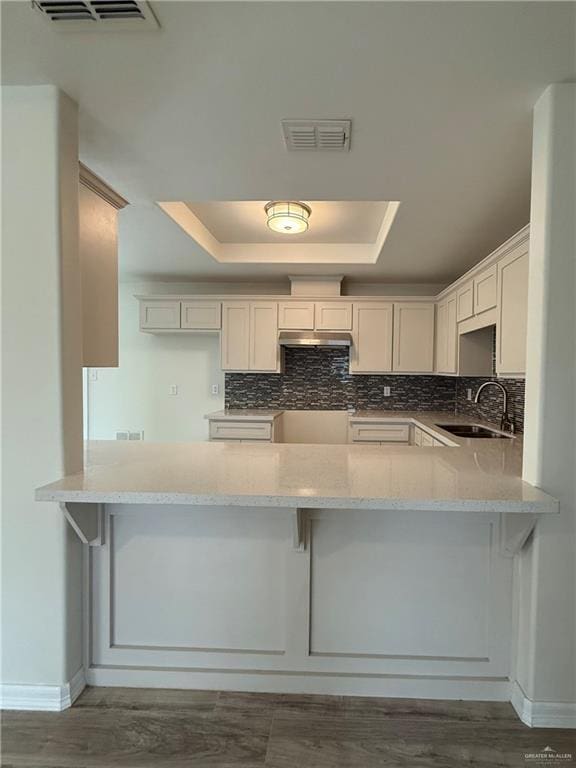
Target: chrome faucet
{"x": 506, "y": 423}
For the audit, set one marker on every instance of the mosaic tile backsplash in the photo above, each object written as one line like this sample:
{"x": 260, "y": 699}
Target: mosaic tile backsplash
{"x": 318, "y": 379}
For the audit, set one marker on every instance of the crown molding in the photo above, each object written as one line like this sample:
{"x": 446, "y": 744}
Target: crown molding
{"x": 97, "y": 185}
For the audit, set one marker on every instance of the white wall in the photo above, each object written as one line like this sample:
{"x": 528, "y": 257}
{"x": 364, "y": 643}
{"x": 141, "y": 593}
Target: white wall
{"x": 546, "y": 658}
{"x": 41, "y": 384}
{"x": 135, "y": 396}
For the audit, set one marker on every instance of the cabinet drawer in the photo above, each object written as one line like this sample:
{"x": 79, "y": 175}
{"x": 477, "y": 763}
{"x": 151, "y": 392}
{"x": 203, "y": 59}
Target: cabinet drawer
{"x": 485, "y": 293}
{"x": 240, "y": 430}
{"x": 333, "y": 316}
{"x": 296, "y": 315}
{"x": 201, "y": 315}
{"x": 159, "y": 315}
{"x": 385, "y": 433}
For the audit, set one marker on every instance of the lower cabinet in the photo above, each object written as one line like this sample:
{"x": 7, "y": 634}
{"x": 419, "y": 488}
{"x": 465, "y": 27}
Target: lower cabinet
{"x": 237, "y": 431}
{"x": 250, "y": 336}
{"x": 378, "y": 432}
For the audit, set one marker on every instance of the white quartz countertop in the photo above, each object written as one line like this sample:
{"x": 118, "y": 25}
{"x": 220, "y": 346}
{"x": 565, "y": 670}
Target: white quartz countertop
{"x": 476, "y": 476}
{"x": 244, "y": 414}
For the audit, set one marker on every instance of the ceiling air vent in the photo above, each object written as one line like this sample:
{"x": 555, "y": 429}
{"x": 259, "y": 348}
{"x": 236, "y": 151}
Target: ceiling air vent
{"x": 317, "y": 135}
{"x": 97, "y": 14}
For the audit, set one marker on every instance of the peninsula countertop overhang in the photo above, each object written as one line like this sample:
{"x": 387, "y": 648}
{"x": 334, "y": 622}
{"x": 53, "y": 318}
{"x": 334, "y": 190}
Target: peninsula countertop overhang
{"x": 482, "y": 478}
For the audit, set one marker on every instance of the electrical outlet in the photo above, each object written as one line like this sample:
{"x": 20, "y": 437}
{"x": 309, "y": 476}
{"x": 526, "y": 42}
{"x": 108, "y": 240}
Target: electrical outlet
{"x": 468, "y": 394}
{"x": 215, "y": 389}
{"x": 173, "y": 389}
{"x": 386, "y": 391}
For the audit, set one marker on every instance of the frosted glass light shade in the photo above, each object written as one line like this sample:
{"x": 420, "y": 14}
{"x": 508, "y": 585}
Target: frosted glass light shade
{"x": 287, "y": 217}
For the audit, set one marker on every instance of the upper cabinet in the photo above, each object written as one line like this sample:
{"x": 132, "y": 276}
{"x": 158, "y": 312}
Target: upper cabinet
{"x": 413, "y": 347}
{"x": 485, "y": 289}
{"x": 201, "y": 315}
{"x": 465, "y": 301}
{"x": 296, "y": 315}
{"x": 333, "y": 315}
{"x": 250, "y": 336}
{"x": 512, "y": 313}
{"x": 446, "y": 335}
{"x": 159, "y": 314}
{"x": 98, "y": 207}
{"x": 371, "y": 351}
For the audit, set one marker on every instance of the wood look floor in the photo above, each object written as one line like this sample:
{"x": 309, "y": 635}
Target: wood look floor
{"x": 138, "y": 728}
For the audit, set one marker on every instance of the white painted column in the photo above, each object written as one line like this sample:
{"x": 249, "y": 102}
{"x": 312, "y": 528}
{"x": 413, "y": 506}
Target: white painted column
{"x": 546, "y": 650}
{"x": 41, "y": 390}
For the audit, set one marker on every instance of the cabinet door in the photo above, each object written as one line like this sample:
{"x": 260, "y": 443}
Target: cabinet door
{"x": 159, "y": 315}
{"x": 446, "y": 335}
{"x": 485, "y": 293}
{"x": 413, "y": 337}
{"x": 372, "y": 337}
{"x": 201, "y": 315}
{"x": 465, "y": 302}
{"x": 235, "y": 342}
{"x": 264, "y": 352}
{"x": 333, "y": 316}
{"x": 451, "y": 336}
{"x": 296, "y": 315}
{"x": 512, "y": 313}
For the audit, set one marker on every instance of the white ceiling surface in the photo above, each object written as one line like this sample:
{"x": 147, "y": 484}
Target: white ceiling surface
{"x": 440, "y": 95}
{"x": 244, "y": 221}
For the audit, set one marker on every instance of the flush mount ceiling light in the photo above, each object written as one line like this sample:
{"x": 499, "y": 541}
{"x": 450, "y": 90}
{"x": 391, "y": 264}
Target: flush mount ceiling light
{"x": 287, "y": 217}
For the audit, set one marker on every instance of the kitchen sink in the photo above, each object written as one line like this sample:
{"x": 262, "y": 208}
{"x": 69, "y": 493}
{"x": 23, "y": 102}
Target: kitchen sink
{"x": 472, "y": 430}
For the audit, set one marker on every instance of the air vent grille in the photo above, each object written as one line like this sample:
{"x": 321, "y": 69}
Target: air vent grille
{"x": 317, "y": 135}
{"x": 88, "y": 14}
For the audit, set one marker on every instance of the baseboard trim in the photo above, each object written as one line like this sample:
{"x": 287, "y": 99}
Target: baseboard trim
{"x": 542, "y": 714}
{"x": 394, "y": 686}
{"x": 42, "y": 698}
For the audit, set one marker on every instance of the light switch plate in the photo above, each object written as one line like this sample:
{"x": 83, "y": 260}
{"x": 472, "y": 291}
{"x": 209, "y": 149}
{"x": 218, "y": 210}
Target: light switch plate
{"x": 386, "y": 391}
{"x": 173, "y": 389}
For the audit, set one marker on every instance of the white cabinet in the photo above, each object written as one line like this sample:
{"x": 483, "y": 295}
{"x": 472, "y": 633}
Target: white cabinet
{"x": 485, "y": 293}
{"x": 413, "y": 350}
{"x": 235, "y": 341}
{"x": 379, "y": 432}
{"x": 264, "y": 350}
{"x": 227, "y": 429}
{"x": 333, "y": 315}
{"x": 250, "y": 336}
{"x": 446, "y": 335}
{"x": 371, "y": 351}
{"x": 512, "y": 313}
{"x": 465, "y": 301}
{"x": 296, "y": 315}
{"x": 159, "y": 314}
{"x": 201, "y": 315}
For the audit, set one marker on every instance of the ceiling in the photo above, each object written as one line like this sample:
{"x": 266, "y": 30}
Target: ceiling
{"x": 244, "y": 221}
{"x": 440, "y": 96}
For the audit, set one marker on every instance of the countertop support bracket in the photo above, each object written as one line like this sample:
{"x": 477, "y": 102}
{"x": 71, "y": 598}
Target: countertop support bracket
{"x": 514, "y": 532}
{"x": 87, "y": 520}
{"x": 299, "y": 520}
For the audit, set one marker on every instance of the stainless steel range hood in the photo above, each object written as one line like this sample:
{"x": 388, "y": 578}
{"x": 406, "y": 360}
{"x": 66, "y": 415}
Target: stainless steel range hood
{"x": 314, "y": 339}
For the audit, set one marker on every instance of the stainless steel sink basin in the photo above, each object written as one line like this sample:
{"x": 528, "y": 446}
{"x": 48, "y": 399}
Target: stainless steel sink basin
{"x": 472, "y": 430}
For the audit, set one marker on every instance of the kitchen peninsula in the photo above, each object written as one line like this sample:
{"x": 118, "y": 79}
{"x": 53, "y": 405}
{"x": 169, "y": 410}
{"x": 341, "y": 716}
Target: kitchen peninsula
{"x": 357, "y": 568}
